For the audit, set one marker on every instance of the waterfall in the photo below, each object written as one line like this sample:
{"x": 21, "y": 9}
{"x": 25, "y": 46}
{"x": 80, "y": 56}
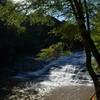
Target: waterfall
{"x": 65, "y": 71}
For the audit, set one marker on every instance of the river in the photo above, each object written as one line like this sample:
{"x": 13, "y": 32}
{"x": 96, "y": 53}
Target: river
{"x": 65, "y": 71}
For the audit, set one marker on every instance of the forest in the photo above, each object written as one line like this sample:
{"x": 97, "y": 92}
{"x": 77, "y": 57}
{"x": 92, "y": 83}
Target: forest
{"x": 48, "y": 30}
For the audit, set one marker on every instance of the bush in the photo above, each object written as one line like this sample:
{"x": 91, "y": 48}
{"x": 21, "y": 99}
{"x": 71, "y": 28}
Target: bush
{"x": 95, "y": 66}
{"x": 52, "y": 52}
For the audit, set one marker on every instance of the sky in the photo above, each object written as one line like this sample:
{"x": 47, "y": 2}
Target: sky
{"x": 18, "y": 1}
{"x": 61, "y": 18}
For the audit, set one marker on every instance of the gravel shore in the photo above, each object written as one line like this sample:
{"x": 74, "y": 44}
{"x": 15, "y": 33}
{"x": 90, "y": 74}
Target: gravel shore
{"x": 71, "y": 93}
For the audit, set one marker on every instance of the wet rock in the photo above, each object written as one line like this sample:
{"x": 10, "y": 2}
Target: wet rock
{"x": 76, "y": 71}
{"x": 73, "y": 77}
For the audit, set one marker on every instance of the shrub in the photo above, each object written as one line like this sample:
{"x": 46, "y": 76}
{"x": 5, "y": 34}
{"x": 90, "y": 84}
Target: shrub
{"x": 95, "y": 66}
{"x": 52, "y": 52}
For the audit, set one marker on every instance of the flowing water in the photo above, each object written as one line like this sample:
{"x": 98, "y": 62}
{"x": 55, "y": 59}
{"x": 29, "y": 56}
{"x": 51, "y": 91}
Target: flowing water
{"x": 65, "y": 71}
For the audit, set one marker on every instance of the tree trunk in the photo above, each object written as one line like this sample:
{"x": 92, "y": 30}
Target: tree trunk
{"x": 89, "y": 47}
{"x": 92, "y": 47}
{"x": 79, "y": 15}
{"x": 88, "y": 42}
{"x": 85, "y": 36}
{"x": 92, "y": 73}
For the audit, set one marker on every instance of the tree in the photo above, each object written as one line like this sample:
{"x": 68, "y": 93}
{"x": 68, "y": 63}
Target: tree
{"x": 68, "y": 34}
{"x": 96, "y": 30}
{"x": 10, "y": 29}
{"x": 84, "y": 27}
{"x": 81, "y": 13}
{"x": 78, "y": 8}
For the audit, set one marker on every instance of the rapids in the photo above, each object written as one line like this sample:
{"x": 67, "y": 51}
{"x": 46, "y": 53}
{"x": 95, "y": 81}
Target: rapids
{"x": 65, "y": 71}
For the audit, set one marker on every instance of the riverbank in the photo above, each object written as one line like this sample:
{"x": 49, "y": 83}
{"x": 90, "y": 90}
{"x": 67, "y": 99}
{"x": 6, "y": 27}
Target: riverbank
{"x": 71, "y": 93}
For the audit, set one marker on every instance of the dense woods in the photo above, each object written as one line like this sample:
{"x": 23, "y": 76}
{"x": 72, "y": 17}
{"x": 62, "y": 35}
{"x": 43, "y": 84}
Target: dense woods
{"x": 21, "y": 33}
{"x": 35, "y": 28}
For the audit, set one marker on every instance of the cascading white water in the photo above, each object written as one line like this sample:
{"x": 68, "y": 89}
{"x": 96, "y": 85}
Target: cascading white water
{"x": 65, "y": 71}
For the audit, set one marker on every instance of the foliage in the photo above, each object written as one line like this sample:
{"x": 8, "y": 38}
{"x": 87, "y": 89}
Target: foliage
{"x": 96, "y": 30}
{"x": 69, "y": 34}
{"x": 38, "y": 18}
{"x": 21, "y": 33}
{"x": 66, "y": 31}
{"x": 11, "y": 16}
{"x": 53, "y": 52}
{"x": 95, "y": 66}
